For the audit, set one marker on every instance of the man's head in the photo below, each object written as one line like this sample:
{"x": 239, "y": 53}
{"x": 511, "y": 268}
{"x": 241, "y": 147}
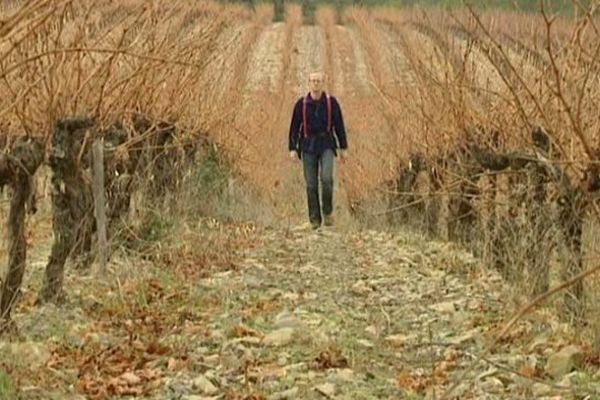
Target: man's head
{"x": 316, "y": 82}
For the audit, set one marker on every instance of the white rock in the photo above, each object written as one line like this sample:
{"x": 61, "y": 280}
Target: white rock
{"x": 397, "y": 340}
{"x": 446, "y": 307}
{"x": 310, "y": 296}
{"x": 565, "y": 381}
{"x": 311, "y": 375}
{"x": 571, "y": 379}
{"x": 516, "y": 360}
{"x": 292, "y": 296}
{"x": 282, "y": 360}
{"x": 287, "y": 320}
{"x": 286, "y": 394}
{"x": 564, "y": 361}
{"x": 279, "y": 337}
{"x": 361, "y": 287}
{"x": 540, "y": 390}
{"x": 204, "y": 385}
{"x": 492, "y": 385}
{"x": 326, "y": 389}
{"x": 372, "y": 331}
{"x": 345, "y": 375}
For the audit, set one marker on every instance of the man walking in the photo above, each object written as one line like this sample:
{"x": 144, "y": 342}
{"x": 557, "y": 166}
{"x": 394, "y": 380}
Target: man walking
{"x": 316, "y": 124}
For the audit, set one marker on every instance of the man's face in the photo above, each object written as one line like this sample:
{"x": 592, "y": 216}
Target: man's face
{"x": 315, "y": 82}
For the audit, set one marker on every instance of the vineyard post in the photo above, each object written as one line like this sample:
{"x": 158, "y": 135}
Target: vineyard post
{"x": 100, "y": 201}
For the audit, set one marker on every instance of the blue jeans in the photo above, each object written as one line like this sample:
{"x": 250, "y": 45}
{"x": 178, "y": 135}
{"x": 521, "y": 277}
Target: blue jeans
{"x": 313, "y": 164}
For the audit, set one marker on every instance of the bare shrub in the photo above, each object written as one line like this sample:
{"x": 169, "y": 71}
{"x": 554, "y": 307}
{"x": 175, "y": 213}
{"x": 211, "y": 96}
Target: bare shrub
{"x": 517, "y": 198}
{"x": 112, "y": 62}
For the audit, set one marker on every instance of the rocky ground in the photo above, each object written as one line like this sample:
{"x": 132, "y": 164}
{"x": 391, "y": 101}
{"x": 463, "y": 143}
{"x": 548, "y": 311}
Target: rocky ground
{"x": 300, "y": 314}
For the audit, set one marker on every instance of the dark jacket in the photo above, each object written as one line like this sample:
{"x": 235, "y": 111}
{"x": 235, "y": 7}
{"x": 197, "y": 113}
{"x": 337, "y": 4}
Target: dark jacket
{"x": 318, "y": 138}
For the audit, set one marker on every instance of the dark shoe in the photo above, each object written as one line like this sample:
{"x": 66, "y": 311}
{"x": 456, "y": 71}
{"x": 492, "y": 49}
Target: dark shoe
{"x": 328, "y": 220}
{"x": 315, "y": 225}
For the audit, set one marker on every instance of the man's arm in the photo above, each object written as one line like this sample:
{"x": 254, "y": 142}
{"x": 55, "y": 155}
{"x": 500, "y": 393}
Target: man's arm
{"x": 294, "y": 134}
{"x": 338, "y": 124}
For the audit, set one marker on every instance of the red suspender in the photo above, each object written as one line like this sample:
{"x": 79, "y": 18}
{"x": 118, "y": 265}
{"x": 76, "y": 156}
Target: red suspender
{"x": 305, "y": 116}
{"x": 328, "y": 113}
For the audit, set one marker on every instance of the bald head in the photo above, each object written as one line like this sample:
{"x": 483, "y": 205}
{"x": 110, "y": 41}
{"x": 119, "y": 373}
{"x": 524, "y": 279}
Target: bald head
{"x": 316, "y": 82}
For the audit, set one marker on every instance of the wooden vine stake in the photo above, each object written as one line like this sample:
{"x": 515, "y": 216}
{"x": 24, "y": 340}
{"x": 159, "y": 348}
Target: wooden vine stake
{"x": 100, "y": 201}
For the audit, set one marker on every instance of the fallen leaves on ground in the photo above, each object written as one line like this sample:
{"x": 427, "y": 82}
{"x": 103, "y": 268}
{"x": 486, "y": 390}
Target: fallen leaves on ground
{"x": 591, "y": 356}
{"x": 156, "y": 330}
{"x": 243, "y": 331}
{"x": 196, "y": 255}
{"x": 414, "y": 381}
{"x": 332, "y": 357}
{"x": 129, "y": 368}
{"x": 530, "y": 372}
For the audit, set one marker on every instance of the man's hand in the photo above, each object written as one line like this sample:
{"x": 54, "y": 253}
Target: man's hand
{"x": 293, "y": 155}
{"x": 343, "y": 154}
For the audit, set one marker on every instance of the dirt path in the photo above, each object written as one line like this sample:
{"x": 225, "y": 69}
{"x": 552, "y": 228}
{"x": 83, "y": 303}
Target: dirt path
{"x": 333, "y": 313}
{"x": 353, "y": 315}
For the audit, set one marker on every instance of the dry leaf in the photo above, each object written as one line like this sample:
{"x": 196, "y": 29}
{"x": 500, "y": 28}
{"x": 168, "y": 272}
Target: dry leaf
{"x": 331, "y": 358}
{"x": 413, "y": 381}
{"x": 267, "y": 373}
{"x": 158, "y": 349}
{"x": 529, "y": 371}
{"x": 242, "y": 331}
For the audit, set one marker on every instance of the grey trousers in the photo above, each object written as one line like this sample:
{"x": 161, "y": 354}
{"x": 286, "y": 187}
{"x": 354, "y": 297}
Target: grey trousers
{"x": 316, "y": 166}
